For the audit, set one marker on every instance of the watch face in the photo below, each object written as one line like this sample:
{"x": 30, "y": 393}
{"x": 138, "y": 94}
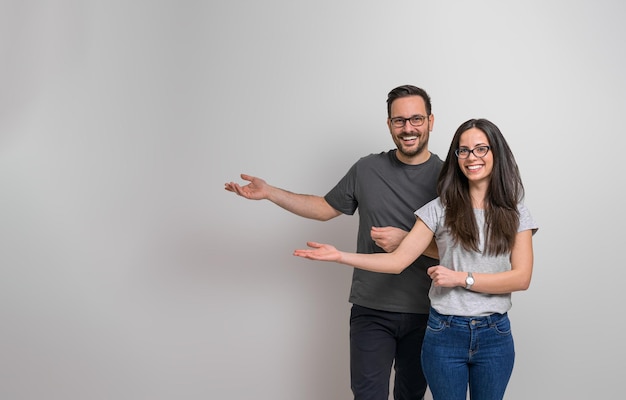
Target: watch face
{"x": 469, "y": 280}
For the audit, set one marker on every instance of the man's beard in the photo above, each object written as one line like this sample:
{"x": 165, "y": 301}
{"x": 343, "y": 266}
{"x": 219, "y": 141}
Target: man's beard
{"x": 411, "y": 153}
{"x": 423, "y": 142}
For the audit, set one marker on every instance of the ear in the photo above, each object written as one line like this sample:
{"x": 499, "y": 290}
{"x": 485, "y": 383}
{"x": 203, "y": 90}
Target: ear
{"x": 431, "y": 121}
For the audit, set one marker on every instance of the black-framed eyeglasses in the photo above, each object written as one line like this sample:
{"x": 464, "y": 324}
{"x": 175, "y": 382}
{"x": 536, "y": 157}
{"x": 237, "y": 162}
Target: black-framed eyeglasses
{"x": 479, "y": 151}
{"x": 415, "y": 120}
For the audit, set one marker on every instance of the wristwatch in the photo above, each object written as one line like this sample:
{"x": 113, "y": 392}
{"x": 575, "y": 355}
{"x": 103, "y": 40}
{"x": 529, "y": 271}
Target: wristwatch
{"x": 469, "y": 281}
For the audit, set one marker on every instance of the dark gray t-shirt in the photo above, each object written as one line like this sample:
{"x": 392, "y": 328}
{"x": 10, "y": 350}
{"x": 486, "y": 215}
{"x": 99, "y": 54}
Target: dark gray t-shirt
{"x": 387, "y": 192}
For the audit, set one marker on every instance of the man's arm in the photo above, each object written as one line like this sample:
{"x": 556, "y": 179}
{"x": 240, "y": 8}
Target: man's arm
{"x": 304, "y": 205}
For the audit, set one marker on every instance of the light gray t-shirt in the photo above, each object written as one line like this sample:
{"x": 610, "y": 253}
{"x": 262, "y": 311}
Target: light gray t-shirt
{"x": 458, "y": 300}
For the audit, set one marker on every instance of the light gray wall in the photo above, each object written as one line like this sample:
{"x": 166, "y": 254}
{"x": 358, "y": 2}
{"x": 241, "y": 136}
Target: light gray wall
{"x": 127, "y": 272}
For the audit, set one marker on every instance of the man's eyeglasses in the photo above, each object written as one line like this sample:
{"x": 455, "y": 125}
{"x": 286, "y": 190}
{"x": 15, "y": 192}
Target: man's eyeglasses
{"x": 479, "y": 152}
{"x": 399, "y": 122}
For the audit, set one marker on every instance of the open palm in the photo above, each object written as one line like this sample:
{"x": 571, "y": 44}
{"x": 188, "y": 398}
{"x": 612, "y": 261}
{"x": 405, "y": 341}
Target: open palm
{"x": 319, "y": 251}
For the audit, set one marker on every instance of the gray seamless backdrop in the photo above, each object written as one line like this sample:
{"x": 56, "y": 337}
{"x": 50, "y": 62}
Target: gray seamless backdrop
{"x": 127, "y": 271}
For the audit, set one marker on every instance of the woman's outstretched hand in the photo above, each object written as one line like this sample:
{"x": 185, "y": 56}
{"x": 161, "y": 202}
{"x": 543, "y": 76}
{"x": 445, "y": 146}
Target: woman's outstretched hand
{"x": 319, "y": 251}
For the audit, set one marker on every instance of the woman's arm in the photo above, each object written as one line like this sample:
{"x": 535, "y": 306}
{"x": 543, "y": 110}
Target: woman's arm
{"x": 411, "y": 247}
{"x": 518, "y": 278}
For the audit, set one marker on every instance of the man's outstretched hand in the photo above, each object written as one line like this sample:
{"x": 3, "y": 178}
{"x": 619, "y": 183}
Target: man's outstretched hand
{"x": 257, "y": 189}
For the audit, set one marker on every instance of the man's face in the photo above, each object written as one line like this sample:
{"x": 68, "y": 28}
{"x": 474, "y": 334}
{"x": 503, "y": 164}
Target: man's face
{"x": 411, "y": 141}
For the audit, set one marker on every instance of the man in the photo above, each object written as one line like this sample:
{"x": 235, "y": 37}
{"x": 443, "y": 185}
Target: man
{"x": 389, "y": 312}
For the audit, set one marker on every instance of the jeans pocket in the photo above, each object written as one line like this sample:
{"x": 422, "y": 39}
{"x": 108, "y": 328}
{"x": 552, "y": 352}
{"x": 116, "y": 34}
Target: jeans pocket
{"x": 503, "y": 326}
{"x": 435, "y": 324}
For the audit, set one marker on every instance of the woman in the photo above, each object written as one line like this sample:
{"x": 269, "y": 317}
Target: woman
{"x": 484, "y": 235}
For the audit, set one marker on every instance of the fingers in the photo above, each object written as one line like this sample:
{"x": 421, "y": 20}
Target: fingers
{"x": 246, "y": 177}
{"x": 314, "y": 245}
{"x": 234, "y": 187}
{"x": 377, "y": 233}
{"x": 231, "y": 187}
{"x": 305, "y": 253}
{"x": 300, "y": 252}
{"x": 308, "y": 253}
{"x": 433, "y": 271}
{"x": 441, "y": 276}
{"x": 310, "y": 244}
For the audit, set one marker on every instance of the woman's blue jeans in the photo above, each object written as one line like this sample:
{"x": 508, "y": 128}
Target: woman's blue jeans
{"x": 462, "y": 351}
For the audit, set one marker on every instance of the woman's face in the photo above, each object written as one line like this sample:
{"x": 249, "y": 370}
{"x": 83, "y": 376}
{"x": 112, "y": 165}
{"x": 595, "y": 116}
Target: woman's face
{"x": 478, "y": 164}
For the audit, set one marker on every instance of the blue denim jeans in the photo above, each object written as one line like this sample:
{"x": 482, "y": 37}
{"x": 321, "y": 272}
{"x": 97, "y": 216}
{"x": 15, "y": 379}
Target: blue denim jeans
{"x": 377, "y": 339}
{"x": 462, "y": 351}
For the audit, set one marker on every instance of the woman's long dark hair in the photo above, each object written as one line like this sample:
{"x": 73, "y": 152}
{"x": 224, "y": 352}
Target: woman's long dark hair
{"x": 504, "y": 193}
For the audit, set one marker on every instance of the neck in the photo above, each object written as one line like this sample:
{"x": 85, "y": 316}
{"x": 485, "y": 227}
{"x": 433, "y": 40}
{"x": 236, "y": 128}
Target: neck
{"x": 478, "y": 193}
{"x": 415, "y": 159}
